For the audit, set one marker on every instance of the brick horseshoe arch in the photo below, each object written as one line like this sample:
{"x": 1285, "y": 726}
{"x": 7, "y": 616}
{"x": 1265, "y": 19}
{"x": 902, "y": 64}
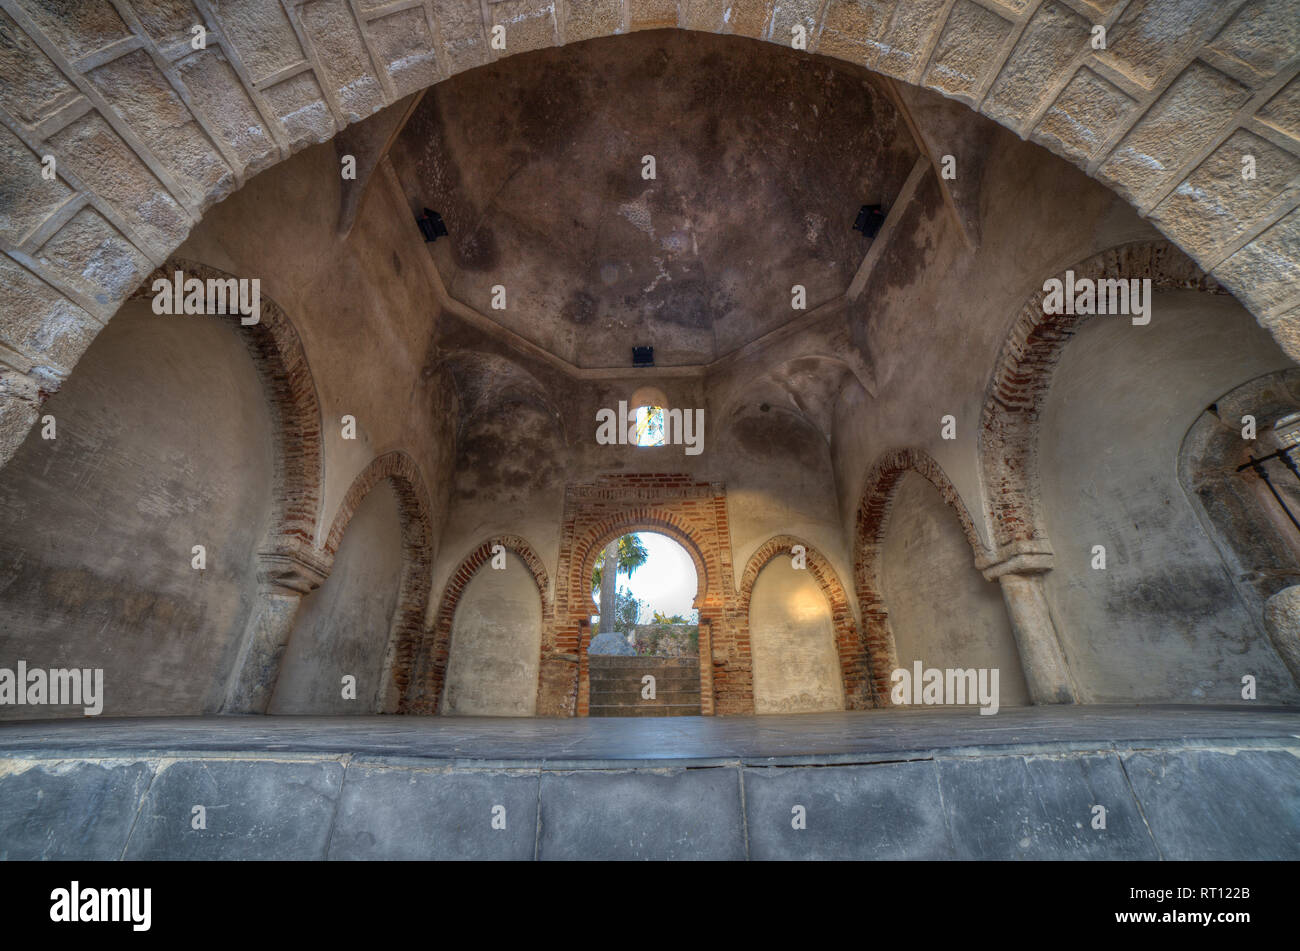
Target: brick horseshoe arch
{"x": 855, "y": 667}
{"x": 136, "y": 171}
{"x": 281, "y": 364}
{"x": 873, "y": 513}
{"x": 404, "y": 476}
{"x": 424, "y": 691}
{"x": 1023, "y": 376}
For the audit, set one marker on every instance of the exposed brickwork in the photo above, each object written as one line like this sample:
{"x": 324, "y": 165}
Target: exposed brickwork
{"x": 1023, "y": 376}
{"x": 149, "y": 132}
{"x": 873, "y": 515}
{"x": 855, "y": 668}
{"x": 423, "y": 693}
{"x": 281, "y": 363}
{"x": 694, "y": 514}
{"x": 404, "y": 476}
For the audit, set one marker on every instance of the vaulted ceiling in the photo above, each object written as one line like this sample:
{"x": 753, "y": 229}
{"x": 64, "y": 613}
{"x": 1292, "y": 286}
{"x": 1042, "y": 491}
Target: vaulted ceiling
{"x": 762, "y": 158}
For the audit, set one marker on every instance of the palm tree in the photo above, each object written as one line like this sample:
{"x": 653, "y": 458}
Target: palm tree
{"x": 629, "y": 554}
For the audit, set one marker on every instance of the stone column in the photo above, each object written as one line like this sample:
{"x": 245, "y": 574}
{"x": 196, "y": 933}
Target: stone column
{"x": 1020, "y": 572}
{"x": 286, "y": 572}
{"x": 1282, "y": 621}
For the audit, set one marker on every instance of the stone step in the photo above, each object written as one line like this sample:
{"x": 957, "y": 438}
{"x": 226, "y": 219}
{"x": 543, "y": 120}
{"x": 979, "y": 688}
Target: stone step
{"x": 633, "y": 676}
{"x": 663, "y": 700}
{"x": 615, "y": 661}
{"x": 649, "y": 710}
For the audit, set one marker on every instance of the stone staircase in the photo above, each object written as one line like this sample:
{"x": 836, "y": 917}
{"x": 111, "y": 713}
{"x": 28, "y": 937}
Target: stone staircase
{"x": 616, "y": 686}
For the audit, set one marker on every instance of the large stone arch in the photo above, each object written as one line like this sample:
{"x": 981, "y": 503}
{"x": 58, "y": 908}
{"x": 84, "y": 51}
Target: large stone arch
{"x": 1180, "y": 92}
{"x": 424, "y": 693}
{"x": 873, "y": 513}
{"x": 401, "y": 472}
{"x": 1022, "y": 378}
{"x": 855, "y": 666}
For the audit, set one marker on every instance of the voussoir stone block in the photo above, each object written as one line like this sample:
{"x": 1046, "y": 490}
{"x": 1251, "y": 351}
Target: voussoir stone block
{"x": 261, "y": 34}
{"x": 786, "y": 15}
{"x": 106, "y": 164}
{"x": 1282, "y": 112}
{"x": 330, "y": 26}
{"x": 29, "y": 83}
{"x": 587, "y": 19}
{"x": 460, "y": 33}
{"x": 405, "y": 47}
{"x": 1260, "y": 39}
{"x": 93, "y": 255}
{"x": 1265, "y": 274}
{"x": 138, "y": 92}
{"x": 39, "y": 321}
{"x": 968, "y": 48}
{"x": 1154, "y": 36}
{"x": 215, "y": 88}
{"x": 651, "y": 14}
{"x": 1196, "y": 108}
{"x": 300, "y": 106}
{"x": 1208, "y": 211}
{"x": 1054, "y": 36}
{"x": 77, "y": 28}
{"x": 530, "y": 25}
{"x": 167, "y": 21}
{"x": 1087, "y": 113}
{"x": 26, "y": 197}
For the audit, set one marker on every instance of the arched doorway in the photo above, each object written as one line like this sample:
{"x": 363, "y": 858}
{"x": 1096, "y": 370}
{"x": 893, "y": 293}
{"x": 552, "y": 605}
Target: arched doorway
{"x": 644, "y": 659}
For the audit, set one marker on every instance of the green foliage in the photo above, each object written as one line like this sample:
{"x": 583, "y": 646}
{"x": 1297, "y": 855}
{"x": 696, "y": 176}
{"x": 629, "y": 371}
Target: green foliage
{"x": 632, "y": 555}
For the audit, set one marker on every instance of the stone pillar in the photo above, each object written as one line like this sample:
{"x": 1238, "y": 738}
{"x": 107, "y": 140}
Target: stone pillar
{"x": 1021, "y": 576}
{"x": 706, "y": 668}
{"x": 1282, "y": 621}
{"x": 285, "y": 573}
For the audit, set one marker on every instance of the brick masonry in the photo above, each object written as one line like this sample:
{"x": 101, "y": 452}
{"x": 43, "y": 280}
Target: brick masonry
{"x": 1023, "y": 376}
{"x": 873, "y": 516}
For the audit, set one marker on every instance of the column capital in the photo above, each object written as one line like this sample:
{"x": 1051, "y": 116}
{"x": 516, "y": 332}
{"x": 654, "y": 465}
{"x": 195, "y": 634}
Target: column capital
{"x": 1030, "y": 557}
{"x": 289, "y": 565}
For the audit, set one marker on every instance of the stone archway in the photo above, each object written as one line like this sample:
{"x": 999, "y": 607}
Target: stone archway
{"x": 873, "y": 514}
{"x": 693, "y": 514}
{"x": 855, "y": 663}
{"x": 423, "y": 692}
{"x": 1022, "y": 378}
{"x": 148, "y": 132}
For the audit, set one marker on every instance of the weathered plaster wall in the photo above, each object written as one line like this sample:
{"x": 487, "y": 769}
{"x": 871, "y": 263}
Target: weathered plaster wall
{"x": 163, "y": 442}
{"x": 343, "y": 627}
{"x": 1162, "y": 622}
{"x": 496, "y": 641}
{"x": 361, "y": 304}
{"x": 942, "y": 611}
{"x": 796, "y": 665}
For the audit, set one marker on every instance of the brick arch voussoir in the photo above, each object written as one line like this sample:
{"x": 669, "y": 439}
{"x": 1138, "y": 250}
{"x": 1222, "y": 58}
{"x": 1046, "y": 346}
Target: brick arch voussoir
{"x": 281, "y": 362}
{"x": 876, "y": 501}
{"x": 425, "y": 696}
{"x": 415, "y": 513}
{"x": 855, "y": 668}
{"x": 653, "y": 520}
{"x": 1023, "y": 374}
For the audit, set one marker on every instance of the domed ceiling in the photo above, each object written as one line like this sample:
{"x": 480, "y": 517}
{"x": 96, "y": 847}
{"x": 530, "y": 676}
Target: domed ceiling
{"x": 762, "y": 158}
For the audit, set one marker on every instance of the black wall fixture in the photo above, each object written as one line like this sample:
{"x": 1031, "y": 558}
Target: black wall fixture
{"x": 431, "y": 225}
{"x": 643, "y": 356}
{"x": 870, "y": 218}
